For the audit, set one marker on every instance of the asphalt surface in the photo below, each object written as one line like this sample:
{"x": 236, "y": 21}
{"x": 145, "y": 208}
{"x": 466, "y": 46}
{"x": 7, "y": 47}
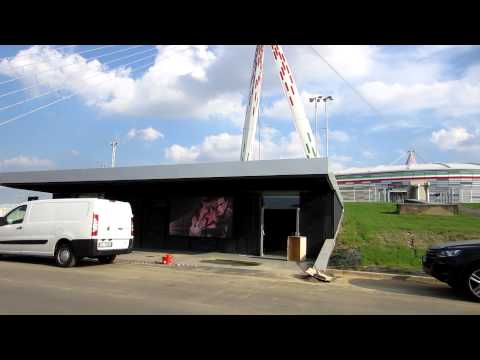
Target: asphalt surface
{"x": 37, "y": 286}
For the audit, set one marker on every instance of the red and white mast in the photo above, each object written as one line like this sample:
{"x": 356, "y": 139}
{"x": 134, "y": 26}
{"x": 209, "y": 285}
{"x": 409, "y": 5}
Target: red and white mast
{"x": 301, "y": 122}
{"x": 251, "y": 116}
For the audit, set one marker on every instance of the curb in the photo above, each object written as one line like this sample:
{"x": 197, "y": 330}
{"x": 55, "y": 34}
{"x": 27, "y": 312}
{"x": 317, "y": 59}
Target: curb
{"x": 386, "y": 276}
{"x": 335, "y": 272}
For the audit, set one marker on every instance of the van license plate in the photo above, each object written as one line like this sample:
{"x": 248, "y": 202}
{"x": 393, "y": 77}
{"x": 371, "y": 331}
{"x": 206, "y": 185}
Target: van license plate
{"x": 105, "y": 244}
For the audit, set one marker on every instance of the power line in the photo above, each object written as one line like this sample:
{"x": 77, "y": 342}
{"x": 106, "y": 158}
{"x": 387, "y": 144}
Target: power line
{"x": 57, "y": 89}
{"x": 57, "y": 101}
{"x": 72, "y": 95}
{"x": 421, "y": 158}
{"x": 33, "y": 86}
{"x": 60, "y": 67}
{"x": 17, "y": 56}
{"x": 396, "y": 160}
{"x": 35, "y": 62}
{"x": 358, "y": 93}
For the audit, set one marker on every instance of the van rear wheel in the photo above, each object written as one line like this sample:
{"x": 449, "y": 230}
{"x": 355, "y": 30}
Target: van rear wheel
{"x": 64, "y": 256}
{"x": 107, "y": 259}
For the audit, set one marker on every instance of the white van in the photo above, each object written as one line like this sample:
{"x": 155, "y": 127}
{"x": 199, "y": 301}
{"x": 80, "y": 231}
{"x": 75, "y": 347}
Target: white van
{"x": 68, "y": 229}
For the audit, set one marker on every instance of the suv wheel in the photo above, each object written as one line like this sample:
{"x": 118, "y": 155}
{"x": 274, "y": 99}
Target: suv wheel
{"x": 474, "y": 283}
{"x": 64, "y": 256}
{"x": 107, "y": 259}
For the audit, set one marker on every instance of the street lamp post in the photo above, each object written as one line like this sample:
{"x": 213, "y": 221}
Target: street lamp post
{"x": 316, "y": 99}
{"x": 325, "y": 100}
{"x": 114, "y": 145}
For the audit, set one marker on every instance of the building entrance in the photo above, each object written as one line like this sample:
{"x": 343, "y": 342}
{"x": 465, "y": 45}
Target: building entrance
{"x": 154, "y": 226}
{"x": 279, "y": 221}
{"x": 278, "y": 225}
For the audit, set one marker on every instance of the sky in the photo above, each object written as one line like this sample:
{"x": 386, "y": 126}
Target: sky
{"x": 61, "y": 106}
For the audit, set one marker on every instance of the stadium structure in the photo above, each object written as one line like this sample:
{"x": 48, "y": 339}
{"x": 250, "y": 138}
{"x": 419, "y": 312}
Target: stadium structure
{"x": 428, "y": 182}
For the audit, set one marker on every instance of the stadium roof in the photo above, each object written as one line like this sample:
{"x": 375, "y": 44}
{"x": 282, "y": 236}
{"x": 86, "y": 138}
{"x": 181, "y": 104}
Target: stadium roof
{"x": 414, "y": 167}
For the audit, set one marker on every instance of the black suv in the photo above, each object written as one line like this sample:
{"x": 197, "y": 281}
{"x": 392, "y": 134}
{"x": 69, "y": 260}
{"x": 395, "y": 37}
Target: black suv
{"x": 457, "y": 263}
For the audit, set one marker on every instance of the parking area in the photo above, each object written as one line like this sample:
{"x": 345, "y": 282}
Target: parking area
{"x": 36, "y": 286}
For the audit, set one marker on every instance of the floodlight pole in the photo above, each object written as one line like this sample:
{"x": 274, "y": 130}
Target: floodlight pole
{"x": 325, "y": 99}
{"x": 316, "y": 99}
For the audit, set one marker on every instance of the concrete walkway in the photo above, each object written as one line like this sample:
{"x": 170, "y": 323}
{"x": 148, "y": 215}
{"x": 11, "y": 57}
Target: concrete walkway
{"x": 267, "y": 267}
{"x": 221, "y": 262}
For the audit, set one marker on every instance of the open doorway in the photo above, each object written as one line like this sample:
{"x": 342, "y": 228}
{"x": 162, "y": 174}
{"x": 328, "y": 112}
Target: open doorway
{"x": 280, "y": 219}
{"x": 154, "y": 226}
{"x": 278, "y": 225}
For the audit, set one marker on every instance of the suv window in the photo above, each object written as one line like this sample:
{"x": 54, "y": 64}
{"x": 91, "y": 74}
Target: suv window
{"x": 16, "y": 215}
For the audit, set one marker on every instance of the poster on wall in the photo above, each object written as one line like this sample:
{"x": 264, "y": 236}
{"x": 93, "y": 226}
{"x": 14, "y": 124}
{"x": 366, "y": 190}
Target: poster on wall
{"x": 202, "y": 216}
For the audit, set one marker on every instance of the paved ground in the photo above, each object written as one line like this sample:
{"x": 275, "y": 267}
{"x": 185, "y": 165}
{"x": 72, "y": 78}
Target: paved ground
{"x": 265, "y": 265}
{"x": 35, "y": 286}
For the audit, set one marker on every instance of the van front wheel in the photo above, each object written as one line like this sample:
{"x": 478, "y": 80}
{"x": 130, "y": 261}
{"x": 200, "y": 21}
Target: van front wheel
{"x": 64, "y": 256}
{"x": 107, "y": 259}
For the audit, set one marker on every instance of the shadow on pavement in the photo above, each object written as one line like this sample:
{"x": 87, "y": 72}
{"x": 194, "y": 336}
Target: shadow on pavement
{"x": 411, "y": 288}
{"x": 45, "y": 261}
{"x": 231, "y": 262}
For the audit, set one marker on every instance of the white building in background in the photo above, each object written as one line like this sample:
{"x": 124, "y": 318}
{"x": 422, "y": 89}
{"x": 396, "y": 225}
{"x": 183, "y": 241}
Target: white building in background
{"x": 431, "y": 182}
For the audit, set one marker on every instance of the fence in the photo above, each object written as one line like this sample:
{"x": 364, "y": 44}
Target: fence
{"x": 455, "y": 195}
{"x": 437, "y": 195}
{"x": 364, "y": 195}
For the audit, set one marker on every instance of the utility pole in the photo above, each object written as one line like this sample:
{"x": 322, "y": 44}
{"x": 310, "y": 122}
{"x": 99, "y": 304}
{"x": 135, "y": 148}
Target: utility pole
{"x": 114, "y": 145}
{"x": 325, "y": 99}
{"x": 316, "y": 99}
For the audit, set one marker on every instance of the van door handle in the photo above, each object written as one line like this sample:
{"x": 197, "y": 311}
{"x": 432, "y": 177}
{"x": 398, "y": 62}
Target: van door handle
{"x": 19, "y": 228}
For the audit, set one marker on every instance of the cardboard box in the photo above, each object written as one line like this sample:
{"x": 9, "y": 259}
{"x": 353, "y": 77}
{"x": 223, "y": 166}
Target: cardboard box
{"x": 297, "y": 248}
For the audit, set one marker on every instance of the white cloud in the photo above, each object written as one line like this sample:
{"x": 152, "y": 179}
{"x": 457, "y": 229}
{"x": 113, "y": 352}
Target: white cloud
{"x": 472, "y": 74}
{"x": 454, "y": 98}
{"x": 183, "y": 81}
{"x": 278, "y": 109}
{"x": 274, "y": 145}
{"x": 427, "y": 51}
{"x": 75, "y": 152}
{"x": 26, "y": 162}
{"x": 226, "y": 147}
{"x": 178, "y": 153}
{"x": 147, "y": 134}
{"x": 339, "y": 162}
{"x": 158, "y": 91}
{"x": 226, "y": 106}
{"x": 338, "y": 135}
{"x": 352, "y": 61}
{"x": 457, "y": 139}
{"x": 211, "y": 82}
{"x": 368, "y": 154}
{"x": 72, "y": 72}
{"x": 220, "y": 147}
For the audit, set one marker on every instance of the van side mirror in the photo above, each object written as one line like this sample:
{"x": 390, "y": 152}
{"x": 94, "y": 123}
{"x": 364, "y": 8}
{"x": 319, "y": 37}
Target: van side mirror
{"x": 3, "y": 221}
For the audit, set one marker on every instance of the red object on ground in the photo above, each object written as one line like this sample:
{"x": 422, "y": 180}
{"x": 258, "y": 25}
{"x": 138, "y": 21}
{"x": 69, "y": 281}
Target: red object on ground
{"x": 167, "y": 259}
